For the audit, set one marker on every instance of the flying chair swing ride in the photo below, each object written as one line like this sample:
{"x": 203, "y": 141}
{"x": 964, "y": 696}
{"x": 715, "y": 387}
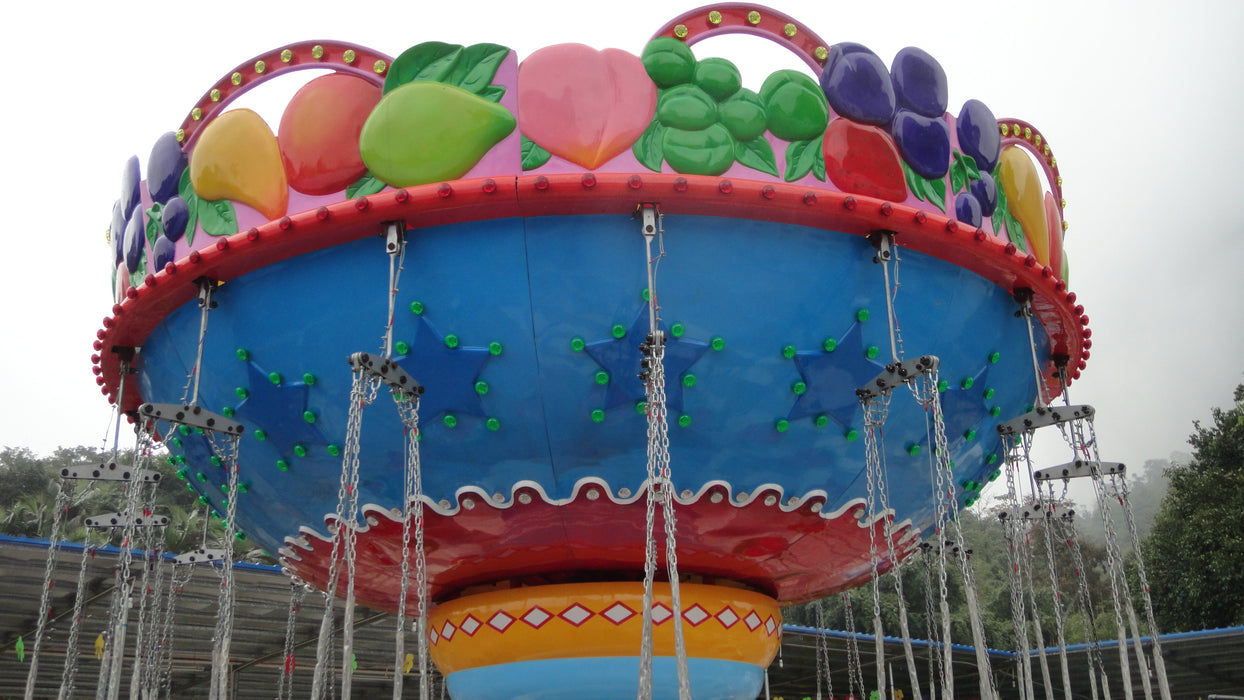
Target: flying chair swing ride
{"x": 585, "y": 363}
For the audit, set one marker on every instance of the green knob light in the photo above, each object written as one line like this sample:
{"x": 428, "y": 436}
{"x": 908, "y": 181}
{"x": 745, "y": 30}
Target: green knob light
{"x": 401, "y": 347}
{"x": 913, "y": 449}
{"x": 450, "y": 420}
{"x": 170, "y": 460}
{"x": 224, "y": 502}
{"x": 942, "y": 385}
{"x": 872, "y": 352}
{"x": 241, "y": 392}
{"x": 494, "y": 348}
{"x": 215, "y": 461}
{"x": 851, "y": 435}
{"x": 282, "y": 465}
{"x": 821, "y": 421}
{"x": 641, "y": 407}
{"x": 967, "y": 382}
{"x": 184, "y": 429}
{"x": 181, "y": 459}
{"x": 688, "y": 379}
{"x": 597, "y": 415}
{"x": 969, "y": 434}
{"x": 862, "y": 315}
{"x": 201, "y": 477}
{"x": 995, "y": 411}
{"x": 308, "y": 379}
{"x": 993, "y": 476}
{"x": 799, "y": 388}
{"x": 333, "y": 450}
{"x": 243, "y": 487}
{"x": 275, "y": 378}
{"x": 227, "y": 411}
{"x": 243, "y": 354}
{"x": 576, "y": 344}
{"x": 203, "y": 500}
{"x": 602, "y": 377}
{"x": 988, "y": 394}
{"x": 416, "y": 307}
{"x": 451, "y": 341}
{"x": 300, "y": 450}
{"x": 618, "y": 331}
{"x": 1030, "y": 408}
{"x": 644, "y": 294}
{"x": 189, "y": 487}
{"x": 782, "y": 425}
{"x": 965, "y": 485}
{"x": 969, "y": 501}
{"x": 830, "y": 345}
{"x": 992, "y": 459}
{"x": 175, "y": 441}
{"x": 994, "y": 357}
{"x": 493, "y": 424}
{"x": 183, "y": 473}
{"x": 718, "y": 343}
{"x": 684, "y": 420}
{"x": 481, "y": 388}
{"x": 308, "y": 416}
{"x": 261, "y": 435}
{"x": 677, "y": 330}
{"x": 240, "y": 536}
{"x": 788, "y": 352}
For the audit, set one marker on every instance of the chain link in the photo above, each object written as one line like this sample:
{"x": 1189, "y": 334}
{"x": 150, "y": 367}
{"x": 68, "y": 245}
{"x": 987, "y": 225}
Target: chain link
{"x": 1084, "y": 594}
{"x": 69, "y": 672}
{"x": 223, "y": 636}
{"x": 855, "y": 671}
{"x": 1158, "y": 662}
{"x": 1011, "y": 528}
{"x": 64, "y": 493}
{"x": 822, "y": 653}
{"x": 285, "y": 683}
{"x": 179, "y": 578}
{"x": 408, "y": 409}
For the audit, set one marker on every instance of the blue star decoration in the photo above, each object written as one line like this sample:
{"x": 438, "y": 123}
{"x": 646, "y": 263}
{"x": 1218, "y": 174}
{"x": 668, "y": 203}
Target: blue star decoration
{"x": 448, "y": 374}
{"x": 620, "y": 357}
{"x": 831, "y": 378}
{"x": 278, "y": 410}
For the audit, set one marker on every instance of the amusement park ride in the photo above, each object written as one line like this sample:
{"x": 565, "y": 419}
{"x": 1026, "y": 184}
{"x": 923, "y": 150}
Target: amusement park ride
{"x": 585, "y": 363}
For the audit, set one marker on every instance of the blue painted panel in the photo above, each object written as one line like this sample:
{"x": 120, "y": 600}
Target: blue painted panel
{"x": 604, "y": 678}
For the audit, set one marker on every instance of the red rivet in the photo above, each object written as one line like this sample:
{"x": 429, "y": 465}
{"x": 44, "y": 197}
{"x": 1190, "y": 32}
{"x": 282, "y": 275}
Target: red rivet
{"x": 362, "y": 203}
{"x": 1046, "y": 272}
{"x": 195, "y": 257}
{"x": 725, "y": 186}
{"x": 222, "y": 244}
{"x": 1031, "y": 261}
{"x": 1061, "y": 286}
{"x": 1071, "y": 297}
{"x": 1075, "y": 374}
{"x": 1082, "y": 364}
{"x": 809, "y": 198}
{"x": 1084, "y": 320}
{"x": 1010, "y": 249}
{"x": 252, "y": 234}
{"x": 131, "y": 293}
{"x": 1088, "y": 344}
{"x": 980, "y": 236}
{"x": 322, "y": 213}
{"x": 101, "y": 334}
{"x": 444, "y": 190}
{"x": 680, "y": 184}
{"x": 1086, "y": 333}
{"x": 588, "y": 181}
{"x": 107, "y": 322}
{"x": 489, "y": 186}
{"x": 848, "y": 203}
{"x": 170, "y": 268}
{"x": 401, "y": 196}
{"x": 97, "y": 370}
{"x": 768, "y": 191}
{"x": 95, "y": 359}
{"x": 921, "y": 217}
{"x": 887, "y": 209}
{"x": 542, "y": 183}
{"x": 1086, "y": 354}
{"x": 1079, "y": 309}
{"x": 634, "y": 182}
{"x": 150, "y": 280}
{"x": 952, "y": 226}
{"x": 284, "y": 223}
{"x": 104, "y": 390}
{"x": 116, "y": 309}
{"x": 99, "y": 381}
{"x": 97, "y": 345}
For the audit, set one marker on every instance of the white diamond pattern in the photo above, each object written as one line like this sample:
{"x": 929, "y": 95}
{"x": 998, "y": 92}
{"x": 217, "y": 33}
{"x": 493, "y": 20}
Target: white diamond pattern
{"x": 447, "y": 631}
{"x": 727, "y": 617}
{"x": 575, "y": 614}
{"x": 500, "y": 621}
{"x": 469, "y": 625}
{"x": 536, "y": 617}
{"x": 695, "y": 615}
{"x": 618, "y": 613}
{"x": 752, "y": 621}
{"x": 770, "y": 625}
{"x": 660, "y": 613}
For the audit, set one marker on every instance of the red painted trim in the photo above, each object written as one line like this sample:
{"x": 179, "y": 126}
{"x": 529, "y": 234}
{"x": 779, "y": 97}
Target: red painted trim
{"x": 929, "y": 232}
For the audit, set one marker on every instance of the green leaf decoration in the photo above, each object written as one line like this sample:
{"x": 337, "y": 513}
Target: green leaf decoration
{"x": 926, "y": 190}
{"x": 155, "y": 225}
{"x": 969, "y": 164}
{"x": 368, "y": 184}
{"x": 478, "y": 66}
{"x": 800, "y": 157}
{"x": 533, "y": 155}
{"x": 962, "y": 171}
{"x": 493, "y": 93}
{"x": 756, "y": 154}
{"x": 218, "y": 218}
{"x": 648, "y": 148}
{"x": 186, "y": 191}
{"x": 1002, "y": 218}
{"x": 137, "y": 276}
{"x": 818, "y": 165}
{"x": 431, "y": 61}
{"x": 471, "y": 68}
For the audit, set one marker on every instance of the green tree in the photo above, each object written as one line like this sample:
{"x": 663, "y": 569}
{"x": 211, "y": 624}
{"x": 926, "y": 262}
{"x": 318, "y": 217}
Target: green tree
{"x": 1194, "y": 555}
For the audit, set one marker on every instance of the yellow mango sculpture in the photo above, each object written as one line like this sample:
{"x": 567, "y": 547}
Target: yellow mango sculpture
{"x": 237, "y": 158}
{"x": 1025, "y": 198}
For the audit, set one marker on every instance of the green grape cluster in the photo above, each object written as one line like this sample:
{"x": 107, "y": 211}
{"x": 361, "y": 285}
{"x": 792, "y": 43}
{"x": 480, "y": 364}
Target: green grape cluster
{"x": 705, "y": 119}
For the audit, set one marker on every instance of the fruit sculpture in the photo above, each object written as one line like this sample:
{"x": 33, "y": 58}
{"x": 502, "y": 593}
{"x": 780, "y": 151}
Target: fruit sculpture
{"x": 523, "y": 303}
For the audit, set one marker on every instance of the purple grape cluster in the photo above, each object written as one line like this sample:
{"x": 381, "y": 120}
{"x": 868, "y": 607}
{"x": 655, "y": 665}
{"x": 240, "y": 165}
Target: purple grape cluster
{"x": 167, "y": 219}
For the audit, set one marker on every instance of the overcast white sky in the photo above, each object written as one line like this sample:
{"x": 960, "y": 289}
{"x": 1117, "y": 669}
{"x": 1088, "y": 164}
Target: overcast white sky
{"x": 1139, "y": 100}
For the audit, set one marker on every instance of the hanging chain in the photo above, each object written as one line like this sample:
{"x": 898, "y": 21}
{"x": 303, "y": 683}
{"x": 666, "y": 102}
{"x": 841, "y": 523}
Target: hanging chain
{"x": 223, "y": 635}
{"x": 822, "y": 654}
{"x": 932, "y": 404}
{"x": 1048, "y": 510}
{"x": 408, "y": 408}
{"x": 63, "y": 495}
{"x": 1158, "y": 662}
{"x": 874, "y": 418}
{"x": 285, "y": 684}
{"x": 69, "y": 672}
{"x": 855, "y": 671}
{"x": 179, "y": 578}
{"x": 1098, "y": 667}
{"x": 935, "y": 656}
{"x": 1011, "y": 532}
